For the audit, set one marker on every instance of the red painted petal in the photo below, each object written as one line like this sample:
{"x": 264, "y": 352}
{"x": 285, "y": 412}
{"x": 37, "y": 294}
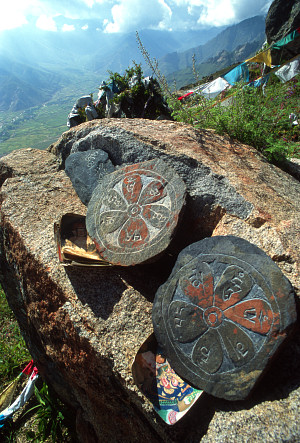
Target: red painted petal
{"x": 199, "y": 285}
{"x": 153, "y": 192}
{"x": 255, "y": 314}
{"x": 186, "y": 321}
{"x": 208, "y": 353}
{"x": 238, "y": 344}
{"x": 233, "y": 286}
{"x": 132, "y": 186}
{"x": 134, "y": 234}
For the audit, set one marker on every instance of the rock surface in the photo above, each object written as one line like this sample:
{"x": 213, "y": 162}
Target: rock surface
{"x": 84, "y": 326}
{"x": 283, "y": 17}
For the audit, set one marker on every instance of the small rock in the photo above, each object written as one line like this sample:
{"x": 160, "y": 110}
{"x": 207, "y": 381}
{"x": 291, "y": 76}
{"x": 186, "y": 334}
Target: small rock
{"x": 86, "y": 169}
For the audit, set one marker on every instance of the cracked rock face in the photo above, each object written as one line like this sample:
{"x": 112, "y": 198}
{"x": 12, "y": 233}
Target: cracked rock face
{"x": 84, "y": 326}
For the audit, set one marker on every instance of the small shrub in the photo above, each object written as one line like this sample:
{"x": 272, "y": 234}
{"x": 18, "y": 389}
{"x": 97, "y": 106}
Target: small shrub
{"x": 260, "y": 119}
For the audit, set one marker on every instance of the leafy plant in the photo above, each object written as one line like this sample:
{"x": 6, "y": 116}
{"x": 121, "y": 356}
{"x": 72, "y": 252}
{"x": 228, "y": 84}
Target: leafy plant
{"x": 13, "y": 351}
{"x": 260, "y": 118}
{"x": 52, "y": 417}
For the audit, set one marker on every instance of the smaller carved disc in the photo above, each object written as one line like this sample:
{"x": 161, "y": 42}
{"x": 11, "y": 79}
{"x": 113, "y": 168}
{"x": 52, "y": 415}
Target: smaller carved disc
{"x": 222, "y": 314}
{"x": 134, "y": 211}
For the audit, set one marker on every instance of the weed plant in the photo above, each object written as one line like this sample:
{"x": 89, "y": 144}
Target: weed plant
{"x": 258, "y": 117}
{"x": 49, "y": 419}
{"x": 14, "y": 354}
{"x": 54, "y": 420}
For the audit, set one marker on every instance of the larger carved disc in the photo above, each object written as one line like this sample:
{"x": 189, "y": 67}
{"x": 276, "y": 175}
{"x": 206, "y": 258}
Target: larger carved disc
{"x": 222, "y": 314}
{"x": 133, "y": 213}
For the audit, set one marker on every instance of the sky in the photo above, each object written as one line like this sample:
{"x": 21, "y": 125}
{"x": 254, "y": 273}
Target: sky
{"x": 113, "y": 16}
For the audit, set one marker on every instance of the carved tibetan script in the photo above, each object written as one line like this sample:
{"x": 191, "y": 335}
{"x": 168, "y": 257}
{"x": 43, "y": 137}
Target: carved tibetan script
{"x": 219, "y": 315}
{"x": 134, "y": 211}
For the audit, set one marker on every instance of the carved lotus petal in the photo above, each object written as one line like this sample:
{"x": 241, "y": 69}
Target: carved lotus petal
{"x": 152, "y": 193}
{"x": 234, "y": 284}
{"x": 134, "y": 233}
{"x": 131, "y": 187}
{"x": 207, "y": 353}
{"x": 156, "y": 215}
{"x": 186, "y": 321}
{"x": 238, "y": 344}
{"x": 199, "y": 286}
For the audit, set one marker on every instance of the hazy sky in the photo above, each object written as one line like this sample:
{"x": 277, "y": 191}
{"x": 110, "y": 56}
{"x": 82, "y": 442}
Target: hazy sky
{"x": 128, "y": 15}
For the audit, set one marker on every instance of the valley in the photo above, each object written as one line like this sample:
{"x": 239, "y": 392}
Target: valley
{"x": 42, "y": 79}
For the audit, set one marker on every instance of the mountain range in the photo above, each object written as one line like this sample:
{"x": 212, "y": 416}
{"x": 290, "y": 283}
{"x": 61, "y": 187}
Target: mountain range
{"x": 231, "y": 46}
{"x": 42, "y": 74}
{"x": 34, "y": 64}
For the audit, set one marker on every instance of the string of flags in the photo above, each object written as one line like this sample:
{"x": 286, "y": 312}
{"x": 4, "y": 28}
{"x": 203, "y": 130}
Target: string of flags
{"x": 7, "y": 395}
{"x": 284, "y": 72}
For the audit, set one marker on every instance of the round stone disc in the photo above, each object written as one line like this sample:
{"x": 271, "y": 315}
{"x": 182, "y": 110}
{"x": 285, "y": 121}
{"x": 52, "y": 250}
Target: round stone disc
{"x": 134, "y": 211}
{"x": 222, "y": 314}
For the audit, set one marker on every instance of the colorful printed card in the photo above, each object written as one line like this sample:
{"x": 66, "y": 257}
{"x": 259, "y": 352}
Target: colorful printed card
{"x": 170, "y": 396}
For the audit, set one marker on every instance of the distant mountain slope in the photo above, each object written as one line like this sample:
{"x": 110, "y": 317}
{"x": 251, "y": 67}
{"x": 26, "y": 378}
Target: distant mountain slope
{"x": 222, "y": 60}
{"x": 34, "y": 64}
{"x": 22, "y": 86}
{"x": 247, "y": 31}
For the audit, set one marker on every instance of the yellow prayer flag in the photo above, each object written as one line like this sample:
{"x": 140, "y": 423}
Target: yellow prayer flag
{"x": 262, "y": 57}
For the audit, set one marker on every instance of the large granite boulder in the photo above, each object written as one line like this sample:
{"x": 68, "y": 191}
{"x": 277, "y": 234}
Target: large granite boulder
{"x": 283, "y": 18}
{"x": 84, "y": 326}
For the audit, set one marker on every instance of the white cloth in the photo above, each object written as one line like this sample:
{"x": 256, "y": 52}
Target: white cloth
{"x": 215, "y": 87}
{"x": 21, "y": 400}
{"x": 288, "y": 71}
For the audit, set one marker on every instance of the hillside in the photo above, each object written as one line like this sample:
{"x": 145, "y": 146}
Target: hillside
{"x": 41, "y": 79}
{"x": 248, "y": 31}
{"x": 23, "y": 86}
{"x": 222, "y": 60}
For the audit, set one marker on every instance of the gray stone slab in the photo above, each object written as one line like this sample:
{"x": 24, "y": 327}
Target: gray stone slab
{"x": 222, "y": 314}
{"x": 134, "y": 211}
{"x": 86, "y": 169}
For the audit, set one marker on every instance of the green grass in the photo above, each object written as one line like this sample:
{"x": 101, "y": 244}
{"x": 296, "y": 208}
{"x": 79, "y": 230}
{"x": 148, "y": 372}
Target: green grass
{"x": 14, "y": 354}
{"x": 44, "y": 417}
{"x": 252, "y": 116}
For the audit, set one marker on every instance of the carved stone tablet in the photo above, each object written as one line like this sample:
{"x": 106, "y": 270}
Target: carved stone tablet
{"x": 134, "y": 211}
{"x": 222, "y": 314}
{"x": 86, "y": 169}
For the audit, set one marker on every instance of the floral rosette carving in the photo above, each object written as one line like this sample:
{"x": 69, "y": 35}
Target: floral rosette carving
{"x": 134, "y": 211}
{"x": 224, "y": 326}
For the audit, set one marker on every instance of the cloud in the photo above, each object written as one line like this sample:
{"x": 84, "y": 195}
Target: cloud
{"x": 68, "y": 28}
{"x": 201, "y": 13}
{"x": 13, "y": 14}
{"x": 130, "y": 15}
{"x": 46, "y": 23}
{"x": 85, "y": 27}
